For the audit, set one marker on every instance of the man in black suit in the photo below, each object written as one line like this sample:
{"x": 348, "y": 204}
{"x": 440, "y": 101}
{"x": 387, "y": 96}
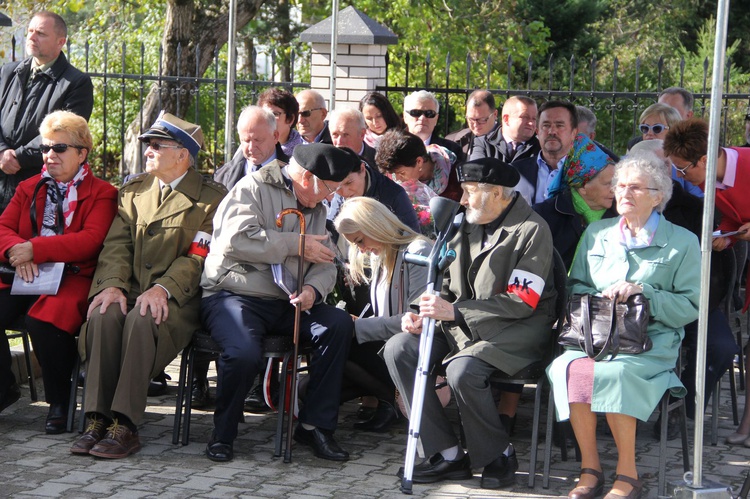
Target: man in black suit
{"x": 311, "y": 123}
{"x": 421, "y": 112}
{"x": 259, "y": 145}
{"x": 557, "y": 129}
{"x": 515, "y": 139}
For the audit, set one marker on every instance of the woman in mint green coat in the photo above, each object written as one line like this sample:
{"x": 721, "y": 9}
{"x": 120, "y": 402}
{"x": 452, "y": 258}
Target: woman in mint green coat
{"x": 638, "y": 252}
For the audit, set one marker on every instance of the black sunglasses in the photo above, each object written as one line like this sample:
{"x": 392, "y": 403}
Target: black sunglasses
{"x": 306, "y": 114}
{"x": 428, "y": 113}
{"x": 657, "y": 128}
{"x": 58, "y": 148}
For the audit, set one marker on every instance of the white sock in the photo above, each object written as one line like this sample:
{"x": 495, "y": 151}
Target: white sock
{"x": 452, "y": 454}
{"x": 308, "y": 427}
{"x": 509, "y": 451}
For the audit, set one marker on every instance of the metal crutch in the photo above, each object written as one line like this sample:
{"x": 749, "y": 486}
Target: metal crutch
{"x": 297, "y": 310}
{"x": 446, "y": 222}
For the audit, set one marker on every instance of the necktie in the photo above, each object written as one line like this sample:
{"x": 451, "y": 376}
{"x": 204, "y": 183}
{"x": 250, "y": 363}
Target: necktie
{"x": 165, "y": 191}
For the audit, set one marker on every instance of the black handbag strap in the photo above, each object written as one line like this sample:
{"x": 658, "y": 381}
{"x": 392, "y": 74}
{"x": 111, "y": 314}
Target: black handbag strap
{"x": 611, "y": 345}
{"x": 60, "y": 222}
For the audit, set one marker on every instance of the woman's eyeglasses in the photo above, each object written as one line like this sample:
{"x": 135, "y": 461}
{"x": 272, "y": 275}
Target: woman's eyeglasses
{"x": 428, "y": 113}
{"x": 657, "y": 128}
{"x": 684, "y": 169}
{"x": 634, "y": 188}
{"x": 58, "y": 148}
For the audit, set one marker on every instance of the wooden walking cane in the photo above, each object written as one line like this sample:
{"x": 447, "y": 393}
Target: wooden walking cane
{"x": 297, "y": 313}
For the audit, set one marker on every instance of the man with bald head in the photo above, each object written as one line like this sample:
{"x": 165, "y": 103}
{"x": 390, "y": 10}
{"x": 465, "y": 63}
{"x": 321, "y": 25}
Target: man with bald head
{"x": 29, "y": 90}
{"x": 516, "y": 138}
{"x": 312, "y": 118}
{"x": 347, "y": 128}
{"x": 259, "y": 146}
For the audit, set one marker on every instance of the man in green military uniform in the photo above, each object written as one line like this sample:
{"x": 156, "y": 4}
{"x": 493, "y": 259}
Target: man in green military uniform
{"x": 145, "y": 294}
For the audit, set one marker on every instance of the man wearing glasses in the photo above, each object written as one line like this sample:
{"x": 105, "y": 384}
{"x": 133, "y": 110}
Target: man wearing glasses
{"x": 241, "y": 301}
{"x": 312, "y": 124}
{"x": 421, "y": 113}
{"x": 516, "y": 138}
{"x": 481, "y": 119}
{"x": 145, "y": 296}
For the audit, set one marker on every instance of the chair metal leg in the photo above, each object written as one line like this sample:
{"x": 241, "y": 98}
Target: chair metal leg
{"x": 179, "y": 403}
{"x": 72, "y": 402}
{"x": 715, "y": 413}
{"x": 82, "y": 412}
{"x": 733, "y": 394}
{"x": 548, "y": 439}
{"x": 188, "y": 399}
{"x": 663, "y": 444}
{"x": 29, "y": 367}
{"x": 535, "y": 430}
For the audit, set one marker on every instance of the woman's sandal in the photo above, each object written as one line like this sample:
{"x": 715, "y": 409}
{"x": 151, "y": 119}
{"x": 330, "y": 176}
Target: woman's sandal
{"x": 584, "y": 492}
{"x": 635, "y": 493}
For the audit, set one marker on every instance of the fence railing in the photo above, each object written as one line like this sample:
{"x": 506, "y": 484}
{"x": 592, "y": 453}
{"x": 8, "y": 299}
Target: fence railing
{"x": 123, "y": 78}
{"x": 616, "y": 94}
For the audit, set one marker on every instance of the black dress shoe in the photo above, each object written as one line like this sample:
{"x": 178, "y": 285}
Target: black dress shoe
{"x": 254, "y": 402}
{"x": 501, "y": 472}
{"x": 201, "y": 397}
{"x": 219, "y": 451}
{"x": 365, "y": 412}
{"x": 10, "y": 396}
{"x": 322, "y": 442}
{"x": 385, "y": 415}
{"x": 57, "y": 419}
{"x": 158, "y": 385}
{"x": 436, "y": 469}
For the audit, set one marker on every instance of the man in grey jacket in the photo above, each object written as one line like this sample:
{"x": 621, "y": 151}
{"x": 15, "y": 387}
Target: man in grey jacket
{"x": 495, "y": 312}
{"x": 242, "y": 303}
{"x": 29, "y": 90}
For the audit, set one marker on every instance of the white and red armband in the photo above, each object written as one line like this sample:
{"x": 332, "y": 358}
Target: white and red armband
{"x": 526, "y": 286}
{"x": 200, "y": 245}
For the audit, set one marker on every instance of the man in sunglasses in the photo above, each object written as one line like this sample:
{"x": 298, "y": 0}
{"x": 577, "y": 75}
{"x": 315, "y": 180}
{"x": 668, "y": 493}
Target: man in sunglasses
{"x": 145, "y": 296}
{"x": 312, "y": 124}
{"x": 29, "y": 90}
{"x": 421, "y": 113}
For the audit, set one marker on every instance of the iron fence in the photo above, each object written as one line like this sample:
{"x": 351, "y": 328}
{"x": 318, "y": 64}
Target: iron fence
{"x": 123, "y": 79}
{"x": 616, "y": 96}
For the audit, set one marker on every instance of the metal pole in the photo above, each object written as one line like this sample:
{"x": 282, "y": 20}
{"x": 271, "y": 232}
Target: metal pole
{"x": 706, "y": 233}
{"x": 334, "y": 49}
{"x": 231, "y": 73}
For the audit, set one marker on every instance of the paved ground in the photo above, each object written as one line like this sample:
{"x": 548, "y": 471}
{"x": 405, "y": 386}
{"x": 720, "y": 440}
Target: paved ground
{"x": 33, "y": 464}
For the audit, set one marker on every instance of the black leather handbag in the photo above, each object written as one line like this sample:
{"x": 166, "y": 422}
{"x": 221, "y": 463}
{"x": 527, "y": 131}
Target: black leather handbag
{"x": 600, "y": 326}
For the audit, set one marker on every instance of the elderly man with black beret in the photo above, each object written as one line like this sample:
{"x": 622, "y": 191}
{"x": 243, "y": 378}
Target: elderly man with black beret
{"x": 146, "y": 290}
{"x": 242, "y": 303}
{"x": 495, "y": 312}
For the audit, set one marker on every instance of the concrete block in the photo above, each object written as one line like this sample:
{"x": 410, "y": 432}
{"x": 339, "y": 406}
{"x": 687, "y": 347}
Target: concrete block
{"x": 358, "y": 60}
{"x": 318, "y": 83}
{"x": 357, "y": 95}
{"x": 354, "y": 84}
{"x": 325, "y": 71}
{"x": 321, "y": 48}
{"x": 365, "y": 72}
{"x": 320, "y": 59}
{"x": 368, "y": 49}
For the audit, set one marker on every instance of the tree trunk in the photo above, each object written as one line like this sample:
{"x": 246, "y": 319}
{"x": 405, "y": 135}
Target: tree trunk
{"x": 285, "y": 40}
{"x": 186, "y": 56}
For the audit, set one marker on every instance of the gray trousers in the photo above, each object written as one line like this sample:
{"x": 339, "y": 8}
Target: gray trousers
{"x": 468, "y": 378}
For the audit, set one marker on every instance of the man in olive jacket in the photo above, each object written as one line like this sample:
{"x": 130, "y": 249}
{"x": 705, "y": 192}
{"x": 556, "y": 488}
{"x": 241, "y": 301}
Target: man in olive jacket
{"x": 495, "y": 312}
{"x": 146, "y": 289}
{"x": 31, "y": 89}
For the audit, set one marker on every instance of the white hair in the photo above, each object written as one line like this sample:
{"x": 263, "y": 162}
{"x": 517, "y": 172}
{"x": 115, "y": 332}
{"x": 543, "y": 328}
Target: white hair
{"x": 421, "y": 95}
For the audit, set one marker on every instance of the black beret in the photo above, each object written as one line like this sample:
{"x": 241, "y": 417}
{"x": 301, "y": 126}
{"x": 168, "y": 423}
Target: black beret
{"x": 489, "y": 171}
{"x": 327, "y": 162}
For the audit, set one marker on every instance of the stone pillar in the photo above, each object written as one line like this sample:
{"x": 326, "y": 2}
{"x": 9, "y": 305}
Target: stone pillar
{"x": 359, "y": 69}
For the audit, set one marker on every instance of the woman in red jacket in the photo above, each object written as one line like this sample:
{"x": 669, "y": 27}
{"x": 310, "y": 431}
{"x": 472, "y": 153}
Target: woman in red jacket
{"x": 60, "y": 215}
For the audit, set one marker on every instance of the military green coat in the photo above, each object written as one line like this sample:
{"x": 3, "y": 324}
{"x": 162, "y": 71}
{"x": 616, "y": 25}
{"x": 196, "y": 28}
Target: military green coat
{"x": 150, "y": 244}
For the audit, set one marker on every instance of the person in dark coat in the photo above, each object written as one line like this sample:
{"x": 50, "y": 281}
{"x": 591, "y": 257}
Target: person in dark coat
{"x": 29, "y": 90}
{"x": 515, "y": 139}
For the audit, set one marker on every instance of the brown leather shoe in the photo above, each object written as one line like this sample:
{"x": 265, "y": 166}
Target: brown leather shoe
{"x": 119, "y": 442}
{"x": 583, "y": 492}
{"x": 95, "y": 431}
